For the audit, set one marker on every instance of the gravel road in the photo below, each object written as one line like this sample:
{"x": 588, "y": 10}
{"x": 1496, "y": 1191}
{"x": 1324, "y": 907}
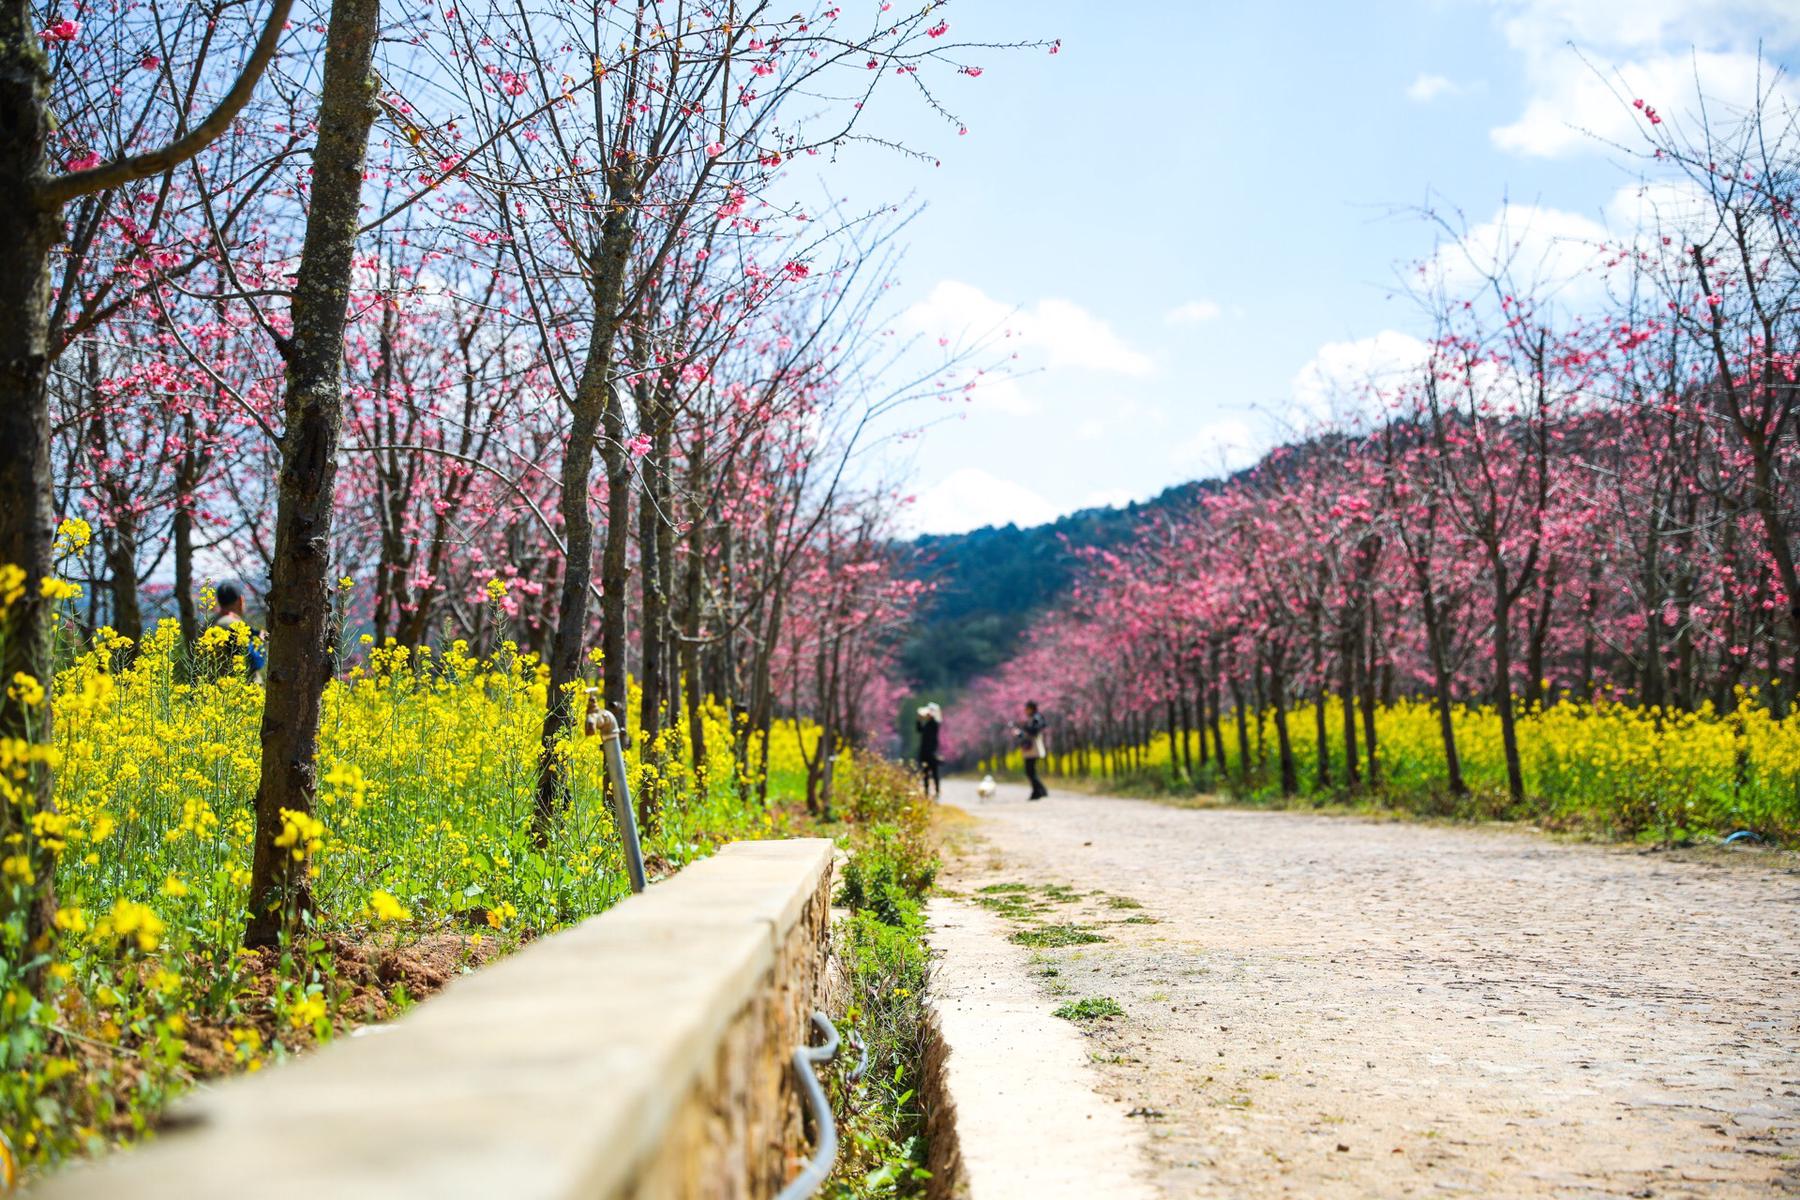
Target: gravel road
{"x": 1325, "y": 1006}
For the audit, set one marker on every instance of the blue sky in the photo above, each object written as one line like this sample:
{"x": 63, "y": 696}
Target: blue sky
{"x": 1194, "y": 212}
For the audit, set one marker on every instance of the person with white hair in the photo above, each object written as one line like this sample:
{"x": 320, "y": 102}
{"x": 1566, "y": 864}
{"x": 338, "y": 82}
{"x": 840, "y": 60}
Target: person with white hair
{"x": 930, "y": 726}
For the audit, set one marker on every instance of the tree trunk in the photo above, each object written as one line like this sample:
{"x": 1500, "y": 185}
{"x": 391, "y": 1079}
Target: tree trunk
{"x": 595, "y": 404}
{"x": 1259, "y": 692}
{"x": 184, "y": 551}
{"x": 1188, "y": 725}
{"x": 653, "y": 601}
{"x": 1320, "y": 691}
{"x": 27, "y": 520}
{"x": 1590, "y": 635}
{"x": 1349, "y": 652}
{"x": 1373, "y": 773}
{"x": 1174, "y": 757}
{"x": 762, "y": 694}
{"x": 1243, "y": 735}
{"x": 1290, "y": 777}
{"x": 1503, "y": 691}
{"x": 693, "y": 598}
{"x": 122, "y": 577}
{"x": 1538, "y": 635}
{"x": 1209, "y": 708}
{"x": 299, "y": 600}
{"x": 615, "y": 566}
{"x": 1440, "y": 683}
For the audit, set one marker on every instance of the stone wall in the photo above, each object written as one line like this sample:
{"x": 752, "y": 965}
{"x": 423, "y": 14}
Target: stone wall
{"x": 643, "y": 1054}
{"x": 943, "y": 1152}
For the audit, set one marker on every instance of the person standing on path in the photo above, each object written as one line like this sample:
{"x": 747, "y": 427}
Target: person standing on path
{"x": 1030, "y": 733}
{"x": 930, "y": 726}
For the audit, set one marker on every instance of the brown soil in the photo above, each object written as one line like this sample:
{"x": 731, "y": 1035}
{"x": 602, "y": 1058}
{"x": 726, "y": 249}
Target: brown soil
{"x": 1333, "y": 1007}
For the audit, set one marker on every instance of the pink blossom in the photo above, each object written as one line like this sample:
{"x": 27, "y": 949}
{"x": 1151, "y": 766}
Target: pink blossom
{"x": 64, "y": 30}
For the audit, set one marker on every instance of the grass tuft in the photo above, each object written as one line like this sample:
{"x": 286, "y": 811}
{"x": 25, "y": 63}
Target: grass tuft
{"x": 1056, "y": 935}
{"x": 1093, "y": 1008}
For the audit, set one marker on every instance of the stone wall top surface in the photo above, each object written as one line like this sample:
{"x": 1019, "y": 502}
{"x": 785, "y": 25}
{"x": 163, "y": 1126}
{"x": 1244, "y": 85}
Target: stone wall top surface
{"x": 550, "y": 1073}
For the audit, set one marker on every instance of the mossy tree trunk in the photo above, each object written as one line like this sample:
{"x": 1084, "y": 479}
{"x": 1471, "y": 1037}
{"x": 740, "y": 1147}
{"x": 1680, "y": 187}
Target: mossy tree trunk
{"x": 299, "y": 602}
{"x": 31, "y": 224}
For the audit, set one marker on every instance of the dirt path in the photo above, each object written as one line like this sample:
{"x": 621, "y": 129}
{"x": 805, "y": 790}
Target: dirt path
{"x": 1321, "y": 1006}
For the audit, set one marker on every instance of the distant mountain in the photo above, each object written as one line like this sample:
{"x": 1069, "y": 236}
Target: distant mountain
{"x": 990, "y": 582}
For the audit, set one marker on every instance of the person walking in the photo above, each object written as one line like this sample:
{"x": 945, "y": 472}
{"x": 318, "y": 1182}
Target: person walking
{"x": 1030, "y": 734}
{"x": 930, "y": 726}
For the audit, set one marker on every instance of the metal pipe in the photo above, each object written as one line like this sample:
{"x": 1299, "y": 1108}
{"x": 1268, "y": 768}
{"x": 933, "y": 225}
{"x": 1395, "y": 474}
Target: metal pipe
{"x": 824, "y": 1156}
{"x": 623, "y": 813}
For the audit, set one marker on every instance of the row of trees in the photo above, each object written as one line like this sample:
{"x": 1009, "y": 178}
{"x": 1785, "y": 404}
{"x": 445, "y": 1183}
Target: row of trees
{"x": 1561, "y": 498}
{"x": 476, "y": 321}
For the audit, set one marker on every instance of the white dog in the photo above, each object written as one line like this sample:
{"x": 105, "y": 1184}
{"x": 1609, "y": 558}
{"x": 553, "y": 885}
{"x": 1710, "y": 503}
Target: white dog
{"x": 986, "y": 787}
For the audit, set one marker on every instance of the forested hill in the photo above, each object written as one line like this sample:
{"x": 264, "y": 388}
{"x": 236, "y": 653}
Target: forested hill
{"x": 990, "y": 582}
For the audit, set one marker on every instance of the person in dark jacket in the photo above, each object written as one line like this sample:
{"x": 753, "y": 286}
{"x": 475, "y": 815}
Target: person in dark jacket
{"x": 245, "y": 641}
{"x": 930, "y": 726}
{"x": 1030, "y": 733}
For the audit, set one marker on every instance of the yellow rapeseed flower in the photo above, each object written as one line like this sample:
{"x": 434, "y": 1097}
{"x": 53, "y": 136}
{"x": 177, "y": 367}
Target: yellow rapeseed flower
{"x": 308, "y": 1011}
{"x": 130, "y": 919}
{"x": 72, "y": 535}
{"x": 386, "y": 908}
{"x": 12, "y": 584}
{"x": 26, "y": 690}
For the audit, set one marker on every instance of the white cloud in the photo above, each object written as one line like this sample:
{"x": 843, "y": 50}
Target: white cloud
{"x": 1221, "y": 446}
{"x": 1677, "y": 202}
{"x": 1097, "y": 416}
{"x": 1059, "y": 333}
{"x": 1337, "y": 387}
{"x": 1001, "y": 394}
{"x": 1581, "y": 106}
{"x": 1549, "y": 249}
{"x": 969, "y": 498}
{"x": 1427, "y": 88}
{"x": 1677, "y": 210}
{"x": 1585, "y": 62}
{"x": 1638, "y": 25}
{"x": 1194, "y": 312}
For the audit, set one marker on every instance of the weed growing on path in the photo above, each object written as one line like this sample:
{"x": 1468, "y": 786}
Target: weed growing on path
{"x": 1093, "y": 1008}
{"x": 1056, "y": 935}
